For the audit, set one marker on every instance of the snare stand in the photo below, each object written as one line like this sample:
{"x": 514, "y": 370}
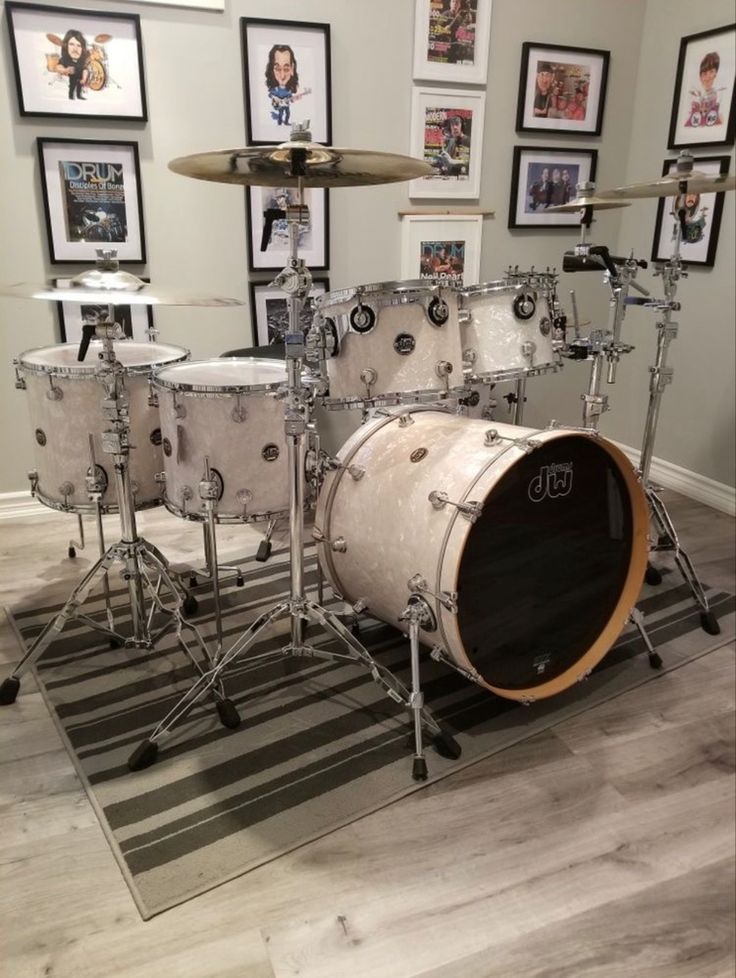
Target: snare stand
{"x": 295, "y": 280}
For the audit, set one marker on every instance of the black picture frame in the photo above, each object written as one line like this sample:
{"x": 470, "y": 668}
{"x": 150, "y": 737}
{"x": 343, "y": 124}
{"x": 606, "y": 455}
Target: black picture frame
{"x": 262, "y": 333}
{"x": 580, "y": 88}
{"x": 698, "y": 248}
{"x": 316, "y": 253}
{"x": 530, "y": 162}
{"x": 689, "y": 123}
{"x": 109, "y": 86}
{"x": 135, "y": 319}
{"x": 71, "y": 170}
{"x": 269, "y": 115}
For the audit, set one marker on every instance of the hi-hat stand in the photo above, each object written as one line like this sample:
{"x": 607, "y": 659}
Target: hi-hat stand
{"x": 144, "y": 568}
{"x": 295, "y": 280}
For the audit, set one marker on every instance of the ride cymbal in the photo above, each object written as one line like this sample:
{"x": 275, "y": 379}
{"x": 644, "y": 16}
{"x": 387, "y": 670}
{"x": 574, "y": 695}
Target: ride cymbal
{"x": 322, "y": 166}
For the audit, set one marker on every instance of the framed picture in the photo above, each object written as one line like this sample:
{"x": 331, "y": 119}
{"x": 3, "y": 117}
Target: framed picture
{"x": 445, "y": 248}
{"x": 269, "y": 310}
{"x": 135, "y": 319}
{"x": 82, "y": 63}
{"x": 561, "y": 89}
{"x": 542, "y": 178}
{"x": 451, "y": 40}
{"x": 92, "y": 199}
{"x": 703, "y": 104}
{"x": 286, "y": 64}
{"x": 314, "y": 239}
{"x": 701, "y": 219}
{"x": 447, "y": 131}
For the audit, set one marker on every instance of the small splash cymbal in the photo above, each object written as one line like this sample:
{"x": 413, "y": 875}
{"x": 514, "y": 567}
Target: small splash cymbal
{"x": 695, "y": 181}
{"x": 577, "y": 204}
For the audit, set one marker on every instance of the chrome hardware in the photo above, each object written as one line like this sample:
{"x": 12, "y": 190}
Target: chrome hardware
{"x": 405, "y": 420}
{"x": 66, "y": 489}
{"x": 20, "y": 382}
{"x": 179, "y": 410}
{"x": 33, "y": 479}
{"x": 186, "y": 495}
{"x": 238, "y": 413}
{"x": 528, "y": 349}
{"x": 152, "y": 393}
{"x": 338, "y": 545}
{"x": 160, "y": 478}
{"x": 470, "y": 510}
{"x": 244, "y": 496}
{"x": 443, "y": 368}
{"x": 360, "y": 605}
{"x": 469, "y": 356}
{"x": 464, "y": 317}
{"x": 417, "y": 610}
{"x": 419, "y": 585}
{"x": 492, "y": 437}
{"x": 54, "y": 393}
{"x": 439, "y": 655}
{"x": 369, "y": 376}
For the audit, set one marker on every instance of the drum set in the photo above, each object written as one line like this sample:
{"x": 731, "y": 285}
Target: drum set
{"x": 515, "y": 555}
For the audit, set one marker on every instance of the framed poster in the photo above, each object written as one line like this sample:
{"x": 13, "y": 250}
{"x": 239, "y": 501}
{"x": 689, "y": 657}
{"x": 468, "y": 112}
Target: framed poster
{"x": 542, "y": 178}
{"x": 447, "y": 131}
{"x": 92, "y": 199}
{"x": 82, "y": 63}
{"x": 703, "y": 104}
{"x": 136, "y": 320}
{"x": 263, "y": 228}
{"x": 442, "y": 248}
{"x": 451, "y": 40}
{"x": 701, "y": 218}
{"x": 269, "y": 310}
{"x": 286, "y": 64}
{"x": 562, "y": 89}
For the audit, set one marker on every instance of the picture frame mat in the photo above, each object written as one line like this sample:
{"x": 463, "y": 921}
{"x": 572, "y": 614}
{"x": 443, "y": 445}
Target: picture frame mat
{"x": 532, "y": 54}
{"x": 426, "y": 70}
{"x": 419, "y": 228}
{"x": 424, "y": 98}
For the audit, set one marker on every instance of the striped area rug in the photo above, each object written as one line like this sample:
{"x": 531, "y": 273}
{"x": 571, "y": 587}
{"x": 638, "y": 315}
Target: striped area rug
{"x": 319, "y": 744}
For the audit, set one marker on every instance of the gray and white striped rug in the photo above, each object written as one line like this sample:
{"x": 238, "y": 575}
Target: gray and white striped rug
{"x": 318, "y": 747}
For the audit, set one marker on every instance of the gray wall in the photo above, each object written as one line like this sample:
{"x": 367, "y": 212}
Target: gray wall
{"x": 196, "y": 231}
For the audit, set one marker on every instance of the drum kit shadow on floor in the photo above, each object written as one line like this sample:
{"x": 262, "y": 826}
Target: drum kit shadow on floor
{"x": 515, "y": 555}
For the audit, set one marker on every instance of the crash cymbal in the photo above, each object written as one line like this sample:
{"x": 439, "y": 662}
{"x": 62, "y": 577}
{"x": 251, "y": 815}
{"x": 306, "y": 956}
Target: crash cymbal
{"x": 669, "y": 186}
{"x": 323, "y": 166}
{"x": 590, "y": 200}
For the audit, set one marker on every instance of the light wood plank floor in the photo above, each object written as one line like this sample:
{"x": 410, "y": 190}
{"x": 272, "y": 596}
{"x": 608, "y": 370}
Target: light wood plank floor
{"x": 601, "y": 849}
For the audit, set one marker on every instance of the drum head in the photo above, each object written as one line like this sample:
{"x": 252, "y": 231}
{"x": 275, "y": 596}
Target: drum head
{"x": 223, "y": 374}
{"x": 131, "y": 353}
{"x": 545, "y": 566}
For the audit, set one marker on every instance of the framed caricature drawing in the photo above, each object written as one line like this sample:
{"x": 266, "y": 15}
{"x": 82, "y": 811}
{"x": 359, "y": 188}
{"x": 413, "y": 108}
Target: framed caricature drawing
{"x": 704, "y": 100}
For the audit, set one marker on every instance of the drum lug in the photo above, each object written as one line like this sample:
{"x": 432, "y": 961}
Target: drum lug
{"x": 405, "y": 420}
{"x": 66, "y": 489}
{"x": 33, "y": 479}
{"x": 54, "y": 393}
{"x": 448, "y": 599}
{"x": 439, "y": 655}
{"x": 186, "y": 495}
{"x": 443, "y": 369}
{"x": 333, "y": 464}
{"x": 527, "y": 445}
{"x": 152, "y": 395}
{"x": 470, "y": 510}
{"x": 244, "y": 496}
{"x": 20, "y": 381}
{"x": 338, "y": 545}
{"x": 238, "y": 413}
{"x": 469, "y": 356}
{"x": 527, "y": 700}
{"x": 369, "y": 376}
{"x": 464, "y": 317}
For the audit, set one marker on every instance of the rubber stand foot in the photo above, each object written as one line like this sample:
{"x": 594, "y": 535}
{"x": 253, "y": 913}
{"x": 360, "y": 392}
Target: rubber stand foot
{"x": 9, "y": 690}
{"x": 419, "y": 769}
{"x": 116, "y": 643}
{"x": 72, "y": 552}
{"x": 228, "y": 715}
{"x": 355, "y": 629}
{"x": 664, "y": 541}
{"x": 655, "y": 660}
{"x": 264, "y": 550}
{"x": 192, "y": 581}
{"x": 143, "y": 756}
{"x": 652, "y": 575}
{"x": 239, "y": 581}
{"x": 190, "y": 605}
{"x": 709, "y": 623}
{"x": 446, "y": 745}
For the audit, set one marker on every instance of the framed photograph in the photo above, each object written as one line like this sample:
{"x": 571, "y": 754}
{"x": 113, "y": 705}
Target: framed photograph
{"x": 82, "y": 63}
{"x": 269, "y": 310}
{"x": 542, "y": 178}
{"x": 561, "y": 89}
{"x": 447, "y": 131}
{"x": 92, "y": 199}
{"x": 451, "y": 40}
{"x": 264, "y": 229}
{"x": 703, "y": 104}
{"x": 135, "y": 319}
{"x": 286, "y": 64}
{"x": 445, "y": 248}
{"x": 701, "y": 218}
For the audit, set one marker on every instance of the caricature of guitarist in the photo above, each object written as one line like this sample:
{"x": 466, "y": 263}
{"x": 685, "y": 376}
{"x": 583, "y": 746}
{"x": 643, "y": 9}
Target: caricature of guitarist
{"x": 282, "y": 82}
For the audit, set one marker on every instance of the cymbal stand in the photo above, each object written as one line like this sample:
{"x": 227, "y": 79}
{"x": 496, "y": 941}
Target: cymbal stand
{"x": 661, "y": 375}
{"x": 145, "y": 569}
{"x": 295, "y": 280}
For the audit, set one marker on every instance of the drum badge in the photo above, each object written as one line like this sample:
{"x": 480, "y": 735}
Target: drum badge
{"x": 404, "y": 344}
{"x": 552, "y": 482}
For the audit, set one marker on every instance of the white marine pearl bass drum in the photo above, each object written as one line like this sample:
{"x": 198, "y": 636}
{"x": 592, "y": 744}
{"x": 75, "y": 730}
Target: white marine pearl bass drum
{"x": 529, "y": 547}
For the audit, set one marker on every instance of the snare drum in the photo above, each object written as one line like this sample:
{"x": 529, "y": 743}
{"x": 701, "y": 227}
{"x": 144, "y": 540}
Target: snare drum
{"x": 507, "y": 331}
{"x": 226, "y": 412}
{"x": 65, "y": 405}
{"x": 528, "y": 547}
{"x": 390, "y": 343}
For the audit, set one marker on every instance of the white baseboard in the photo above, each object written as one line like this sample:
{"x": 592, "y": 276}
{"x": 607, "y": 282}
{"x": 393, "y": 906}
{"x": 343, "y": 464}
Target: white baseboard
{"x": 20, "y": 505}
{"x": 690, "y": 484}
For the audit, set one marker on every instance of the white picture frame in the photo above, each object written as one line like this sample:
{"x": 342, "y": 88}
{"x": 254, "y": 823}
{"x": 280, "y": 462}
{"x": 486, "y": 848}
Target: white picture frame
{"x": 447, "y": 132}
{"x": 423, "y": 237}
{"x": 451, "y": 40}
{"x": 314, "y": 242}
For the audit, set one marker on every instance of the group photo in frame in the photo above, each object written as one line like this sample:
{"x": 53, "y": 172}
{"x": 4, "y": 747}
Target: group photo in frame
{"x": 269, "y": 310}
{"x": 135, "y": 320}
{"x": 701, "y": 219}
{"x": 445, "y": 249}
{"x": 447, "y": 132}
{"x": 451, "y": 39}
{"x": 547, "y": 177}
{"x": 704, "y": 100}
{"x": 313, "y": 235}
{"x": 92, "y": 199}
{"x": 287, "y": 73}
{"x": 561, "y": 89}
{"x": 77, "y": 62}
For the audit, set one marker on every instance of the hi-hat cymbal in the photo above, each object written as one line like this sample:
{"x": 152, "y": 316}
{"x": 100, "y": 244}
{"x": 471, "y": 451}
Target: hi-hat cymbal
{"x": 591, "y": 200}
{"x": 669, "y": 186}
{"x": 324, "y": 166}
